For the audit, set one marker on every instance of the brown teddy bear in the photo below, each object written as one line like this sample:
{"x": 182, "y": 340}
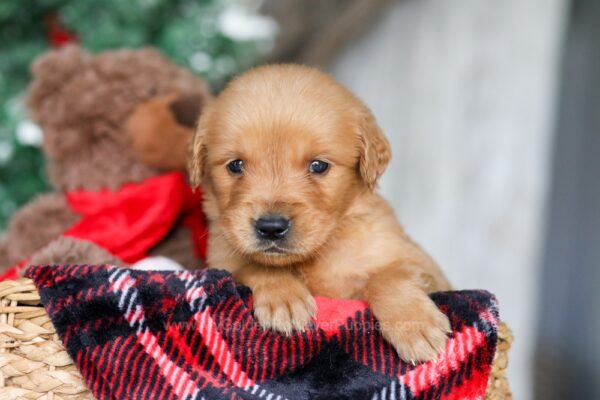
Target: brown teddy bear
{"x": 115, "y": 127}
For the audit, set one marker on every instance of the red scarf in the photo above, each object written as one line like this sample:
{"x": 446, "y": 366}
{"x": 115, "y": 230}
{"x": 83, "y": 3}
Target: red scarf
{"x": 130, "y": 221}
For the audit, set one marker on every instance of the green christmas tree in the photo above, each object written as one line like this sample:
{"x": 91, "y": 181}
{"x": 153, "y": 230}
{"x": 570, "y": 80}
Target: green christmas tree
{"x": 215, "y": 38}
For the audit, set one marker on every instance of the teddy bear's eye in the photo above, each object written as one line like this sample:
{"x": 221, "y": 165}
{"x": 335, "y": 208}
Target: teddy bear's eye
{"x": 318, "y": 167}
{"x": 236, "y": 167}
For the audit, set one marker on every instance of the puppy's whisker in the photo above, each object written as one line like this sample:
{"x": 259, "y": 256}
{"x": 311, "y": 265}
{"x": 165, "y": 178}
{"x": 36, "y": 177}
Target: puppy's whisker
{"x": 204, "y": 235}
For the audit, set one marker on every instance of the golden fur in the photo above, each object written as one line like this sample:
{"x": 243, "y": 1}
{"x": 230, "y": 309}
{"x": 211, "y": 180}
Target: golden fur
{"x": 345, "y": 241}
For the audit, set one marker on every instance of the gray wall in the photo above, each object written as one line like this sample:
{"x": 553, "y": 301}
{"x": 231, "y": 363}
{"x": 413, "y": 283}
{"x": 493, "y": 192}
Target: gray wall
{"x": 568, "y": 350}
{"x": 465, "y": 90}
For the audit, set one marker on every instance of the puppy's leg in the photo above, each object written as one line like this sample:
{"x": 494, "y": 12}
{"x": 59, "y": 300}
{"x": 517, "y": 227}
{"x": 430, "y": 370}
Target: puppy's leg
{"x": 281, "y": 300}
{"x": 409, "y": 319}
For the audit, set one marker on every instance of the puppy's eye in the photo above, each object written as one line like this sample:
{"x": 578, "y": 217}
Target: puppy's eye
{"x": 318, "y": 167}
{"x": 236, "y": 167}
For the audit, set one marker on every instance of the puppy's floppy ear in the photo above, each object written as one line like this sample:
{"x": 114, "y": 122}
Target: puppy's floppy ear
{"x": 197, "y": 154}
{"x": 375, "y": 151}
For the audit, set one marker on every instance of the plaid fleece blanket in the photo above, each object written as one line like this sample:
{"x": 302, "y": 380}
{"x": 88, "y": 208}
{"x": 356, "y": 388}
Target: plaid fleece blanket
{"x": 191, "y": 335}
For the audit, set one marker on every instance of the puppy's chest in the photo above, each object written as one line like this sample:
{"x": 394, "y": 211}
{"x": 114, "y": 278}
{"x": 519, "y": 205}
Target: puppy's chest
{"x": 343, "y": 268}
{"x": 337, "y": 279}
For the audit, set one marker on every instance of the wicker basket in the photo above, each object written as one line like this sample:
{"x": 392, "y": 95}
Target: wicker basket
{"x": 35, "y": 365}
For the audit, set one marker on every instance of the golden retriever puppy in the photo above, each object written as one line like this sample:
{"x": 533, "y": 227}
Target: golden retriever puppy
{"x": 288, "y": 160}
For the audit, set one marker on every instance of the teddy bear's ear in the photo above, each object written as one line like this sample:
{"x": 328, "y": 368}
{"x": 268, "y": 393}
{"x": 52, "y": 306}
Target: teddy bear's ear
{"x": 186, "y": 109}
{"x": 50, "y": 71}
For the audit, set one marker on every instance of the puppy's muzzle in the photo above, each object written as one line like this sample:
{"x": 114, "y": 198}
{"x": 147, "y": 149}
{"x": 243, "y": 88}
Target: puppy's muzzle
{"x": 272, "y": 227}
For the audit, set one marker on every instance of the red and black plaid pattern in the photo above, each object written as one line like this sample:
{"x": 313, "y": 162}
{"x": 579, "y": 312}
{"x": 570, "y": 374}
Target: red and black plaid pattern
{"x": 191, "y": 335}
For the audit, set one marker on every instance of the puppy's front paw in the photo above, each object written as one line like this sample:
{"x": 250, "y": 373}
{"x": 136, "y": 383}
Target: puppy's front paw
{"x": 285, "y": 308}
{"x": 418, "y": 333}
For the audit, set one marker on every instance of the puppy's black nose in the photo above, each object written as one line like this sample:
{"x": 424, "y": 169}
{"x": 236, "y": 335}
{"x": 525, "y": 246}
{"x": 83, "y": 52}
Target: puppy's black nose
{"x": 272, "y": 227}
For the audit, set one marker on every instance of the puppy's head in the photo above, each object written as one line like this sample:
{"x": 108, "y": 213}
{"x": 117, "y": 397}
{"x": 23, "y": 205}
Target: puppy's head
{"x": 282, "y": 154}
